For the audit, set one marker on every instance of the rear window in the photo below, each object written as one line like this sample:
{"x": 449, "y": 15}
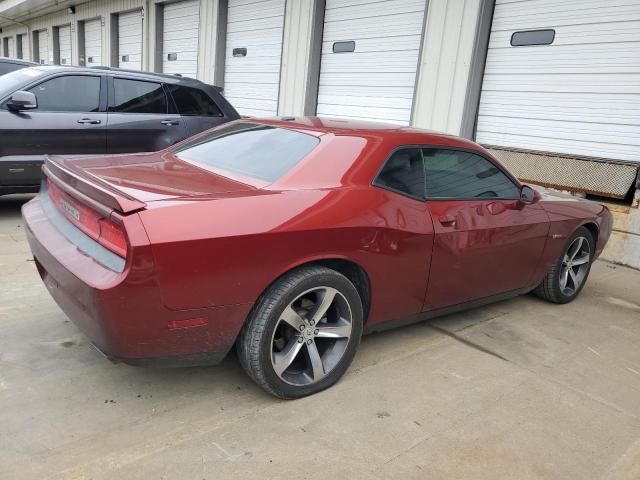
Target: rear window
{"x": 258, "y": 151}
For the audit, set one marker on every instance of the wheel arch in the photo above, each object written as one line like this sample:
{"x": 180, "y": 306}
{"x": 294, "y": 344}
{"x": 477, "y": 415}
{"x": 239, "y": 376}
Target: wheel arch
{"x": 593, "y": 230}
{"x": 356, "y": 274}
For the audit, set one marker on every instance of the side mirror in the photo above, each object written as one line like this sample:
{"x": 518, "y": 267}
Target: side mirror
{"x": 22, "y": 101}
{"x": 527, "y": 194}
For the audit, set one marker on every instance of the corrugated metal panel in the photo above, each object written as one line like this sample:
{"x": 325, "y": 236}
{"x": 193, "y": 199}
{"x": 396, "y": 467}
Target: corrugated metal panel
{"x": 577, "y": 96}
{"x": 445, "y": 68}
{"x": 376, "y": 80}
{"x": 64, "y": 45}
{"x": 181, "y": 25}
{"x": 93, "y": 42}
{"x": 130, "y": 40}
{"x": 43, "y": 47}
{"x": 252, "y": 81}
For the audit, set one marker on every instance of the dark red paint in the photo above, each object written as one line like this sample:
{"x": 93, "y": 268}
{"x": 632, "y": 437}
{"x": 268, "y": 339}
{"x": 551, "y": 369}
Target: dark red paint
{"x": 202, "y": 246}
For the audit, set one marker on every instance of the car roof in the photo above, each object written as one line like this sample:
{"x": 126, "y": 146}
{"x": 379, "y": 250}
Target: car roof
{"x": 174, "y": 79}
{"x": 16, "y": 61}
{"x": 362, "y": 128}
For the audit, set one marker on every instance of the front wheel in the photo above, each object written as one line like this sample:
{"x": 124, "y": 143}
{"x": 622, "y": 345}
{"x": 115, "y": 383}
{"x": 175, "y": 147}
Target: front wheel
{"x": 303, "y": 333}
{"x": 568, "y": 275}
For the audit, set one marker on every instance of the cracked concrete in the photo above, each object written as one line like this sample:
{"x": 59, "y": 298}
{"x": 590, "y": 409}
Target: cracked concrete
{"x": 519, "y": 389}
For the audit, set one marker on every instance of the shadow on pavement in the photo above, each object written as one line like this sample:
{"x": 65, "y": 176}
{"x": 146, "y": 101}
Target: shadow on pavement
{"x": 10, "y": 205}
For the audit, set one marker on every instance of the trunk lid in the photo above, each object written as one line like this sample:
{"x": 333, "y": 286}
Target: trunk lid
{"x": 129, "y": 182}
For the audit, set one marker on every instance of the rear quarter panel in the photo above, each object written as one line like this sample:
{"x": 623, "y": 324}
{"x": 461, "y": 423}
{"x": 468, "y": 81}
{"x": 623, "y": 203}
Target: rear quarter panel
{"x": 228, "y": 251}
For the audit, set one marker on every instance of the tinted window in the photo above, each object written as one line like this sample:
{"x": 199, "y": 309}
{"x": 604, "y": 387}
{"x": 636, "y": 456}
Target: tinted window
{"x": 404, "y": 173}
{"x": 9, "y": 67}
{"x": 132, "y": 96}
{"x": 191, "y": 101}
{"x": 15, "y": 80}
{"x": 456, "y": 174}
{"x": 533, "y": 37}
{"x": 68, "y": 94}
{"x": 258, "y": 151}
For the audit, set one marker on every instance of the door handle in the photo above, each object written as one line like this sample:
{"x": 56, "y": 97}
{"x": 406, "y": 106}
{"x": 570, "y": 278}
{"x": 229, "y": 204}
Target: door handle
{"x": 89, "y": 121}
{"x": 170, "y": 122}
{"x": 447, "y": 220}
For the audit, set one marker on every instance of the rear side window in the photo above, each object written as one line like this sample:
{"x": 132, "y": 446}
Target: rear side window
{"x": 191, "y": 101}
{"x": 68, "y": 94}
{"x": 133, "y": 96}
{"x": 454, "y": 174}
{"x": 259, "y": 151}
{"x": 404, "y": 173}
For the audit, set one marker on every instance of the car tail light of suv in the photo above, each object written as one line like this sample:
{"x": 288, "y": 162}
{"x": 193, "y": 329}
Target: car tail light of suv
{"x": 103, "y": 230}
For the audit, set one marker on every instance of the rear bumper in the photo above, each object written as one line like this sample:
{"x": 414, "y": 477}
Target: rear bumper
{"x": 122, "y": 313}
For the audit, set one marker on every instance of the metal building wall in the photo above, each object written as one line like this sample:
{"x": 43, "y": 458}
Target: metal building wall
{"x": 446, "y": 64}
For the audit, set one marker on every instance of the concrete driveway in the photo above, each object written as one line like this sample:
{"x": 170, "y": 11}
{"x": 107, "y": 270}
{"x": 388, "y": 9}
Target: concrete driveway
{"x": 518, "y": 390}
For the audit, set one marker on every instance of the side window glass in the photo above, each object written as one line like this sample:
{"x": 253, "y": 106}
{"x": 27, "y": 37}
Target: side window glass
{"x": 68, "y": 94}
{"x": 404, "y": 173}
{"x": 459, "y": 175}
{"x": 191, "y": 101}
{"x": 133, "y": 96}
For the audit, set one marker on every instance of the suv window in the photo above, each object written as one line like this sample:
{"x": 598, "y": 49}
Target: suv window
{"x": 134, "y": 96}
{"x": 70, "y": 93}
{"x": 404, "y": 173}
{"x": 191, "y": 101}
{"x": 258, "y": 151}
{"x": 9, "y": 67}
{"x": 458, "y": 175}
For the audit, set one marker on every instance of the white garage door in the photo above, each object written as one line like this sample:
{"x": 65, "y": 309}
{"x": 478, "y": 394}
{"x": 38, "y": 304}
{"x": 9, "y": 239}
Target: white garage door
{"x": 254, "y": 50}
{"x": 370, "y": 54}
{"x": 130, "y": 40}
{"x": 579, "y": 94}
{"x": 181, "y": 28}
{"x": 64, "y": 44}
{"x": 93, "y": 42}
{"x": 43, "y": 46}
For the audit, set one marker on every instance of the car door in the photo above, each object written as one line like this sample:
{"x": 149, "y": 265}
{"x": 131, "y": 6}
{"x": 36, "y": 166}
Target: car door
{"x": 487, "y": 241}
{"x": 139, "y": 118}
{"x": 70, "y": 119}
{"x": 198, "y": 111}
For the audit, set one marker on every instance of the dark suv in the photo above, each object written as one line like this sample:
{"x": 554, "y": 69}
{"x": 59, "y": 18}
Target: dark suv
{"x": 79, "y": 111}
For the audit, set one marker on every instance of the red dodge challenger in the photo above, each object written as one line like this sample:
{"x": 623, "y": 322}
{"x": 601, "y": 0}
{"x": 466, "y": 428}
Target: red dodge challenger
{"x": 290, "y": 238}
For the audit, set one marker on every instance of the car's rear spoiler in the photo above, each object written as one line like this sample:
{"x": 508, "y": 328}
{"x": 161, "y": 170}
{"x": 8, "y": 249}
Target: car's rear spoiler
{"x": 88, "y": 185}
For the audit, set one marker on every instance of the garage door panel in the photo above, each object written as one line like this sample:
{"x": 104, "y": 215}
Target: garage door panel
{"x": 43, "y": 46}
{"x": 373, "y": 63}
{"x": 64, "y": 45}
{"x": 586, "y": 83}
{"x": 93, "y": 42}
{"x": 530, "y": 14}
{"x": 376, "y": 81}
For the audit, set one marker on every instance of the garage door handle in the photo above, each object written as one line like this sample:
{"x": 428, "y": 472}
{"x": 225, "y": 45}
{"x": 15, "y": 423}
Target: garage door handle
{"x": 89, "y": 121}
{"x": 170, "y": 122}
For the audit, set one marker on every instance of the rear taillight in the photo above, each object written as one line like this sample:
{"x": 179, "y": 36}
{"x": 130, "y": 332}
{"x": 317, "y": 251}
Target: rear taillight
{"x": 103, "y": 230}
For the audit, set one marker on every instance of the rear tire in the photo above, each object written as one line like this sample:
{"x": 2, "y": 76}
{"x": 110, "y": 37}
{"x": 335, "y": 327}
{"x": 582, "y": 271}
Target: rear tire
{"x": 303, "y": 333}
{"x": 569, "y": 273}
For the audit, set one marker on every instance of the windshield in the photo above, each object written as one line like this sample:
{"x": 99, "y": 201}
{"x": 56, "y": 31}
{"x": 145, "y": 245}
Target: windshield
{"x": 254, "y": 150}
{"x": 14, "y": 80}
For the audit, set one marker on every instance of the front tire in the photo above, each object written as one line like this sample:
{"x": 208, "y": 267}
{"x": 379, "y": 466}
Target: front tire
{"x": 303, "y": 333}
{"x": 569, "y": 273}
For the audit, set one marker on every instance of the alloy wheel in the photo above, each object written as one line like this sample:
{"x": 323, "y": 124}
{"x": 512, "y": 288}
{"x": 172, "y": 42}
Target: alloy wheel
{"x": 575, "y": 266}
{"x": 311, "y": 336}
